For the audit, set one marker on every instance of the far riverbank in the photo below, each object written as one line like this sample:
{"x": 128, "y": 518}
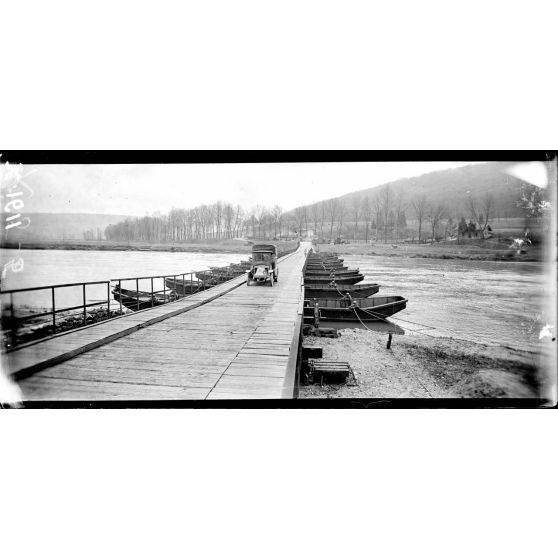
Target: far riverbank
{"x": 441, "y": 250}
{"x": 209, "y": 247}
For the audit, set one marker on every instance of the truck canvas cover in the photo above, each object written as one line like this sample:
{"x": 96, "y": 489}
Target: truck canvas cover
{"x": 264, "y": 248}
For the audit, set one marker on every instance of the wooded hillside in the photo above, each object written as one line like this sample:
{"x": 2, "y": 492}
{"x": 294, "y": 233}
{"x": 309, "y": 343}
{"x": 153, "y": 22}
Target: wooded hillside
{"x": 431, "y": 205}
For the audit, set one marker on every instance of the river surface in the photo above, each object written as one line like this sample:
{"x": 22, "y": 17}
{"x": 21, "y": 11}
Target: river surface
{"x": 488, "y": 302}
{"x": 54, "y": 267}
{"x": 499, "y": 303}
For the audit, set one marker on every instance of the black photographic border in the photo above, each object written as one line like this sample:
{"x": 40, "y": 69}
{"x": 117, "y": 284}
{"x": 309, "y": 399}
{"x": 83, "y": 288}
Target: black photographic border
{"x": 35, "y": 157}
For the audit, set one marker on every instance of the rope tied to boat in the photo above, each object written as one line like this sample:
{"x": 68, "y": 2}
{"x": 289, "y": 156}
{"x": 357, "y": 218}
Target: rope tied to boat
{"x": 355, "y": 305}
{"x": 382, "y": 318}
{"x": 367, "y": 311}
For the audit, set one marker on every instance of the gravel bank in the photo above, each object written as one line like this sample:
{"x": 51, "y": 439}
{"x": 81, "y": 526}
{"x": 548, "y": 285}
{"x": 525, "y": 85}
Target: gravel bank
{"x": 425, "y": 367}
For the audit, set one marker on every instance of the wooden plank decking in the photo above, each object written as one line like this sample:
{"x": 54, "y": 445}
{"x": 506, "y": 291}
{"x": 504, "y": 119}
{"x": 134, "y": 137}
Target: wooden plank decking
{"x": 229, "y": 342}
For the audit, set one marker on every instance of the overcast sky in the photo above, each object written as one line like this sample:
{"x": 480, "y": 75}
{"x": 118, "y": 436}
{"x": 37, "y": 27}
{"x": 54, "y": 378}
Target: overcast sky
{"x": 144, "y": 189}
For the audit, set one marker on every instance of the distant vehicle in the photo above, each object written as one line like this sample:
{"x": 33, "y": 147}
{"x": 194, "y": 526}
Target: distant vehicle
{"x": 264, "y": 268}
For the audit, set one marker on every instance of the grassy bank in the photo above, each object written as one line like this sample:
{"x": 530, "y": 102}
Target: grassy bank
{"x": 222, "y": 246}
{"x": 446, "y": 251}
{"x": 425, "y": 367}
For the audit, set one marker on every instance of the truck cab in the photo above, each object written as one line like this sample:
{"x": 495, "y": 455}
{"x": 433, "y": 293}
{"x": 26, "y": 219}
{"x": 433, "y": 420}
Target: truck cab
{"x": 264, "y": 268}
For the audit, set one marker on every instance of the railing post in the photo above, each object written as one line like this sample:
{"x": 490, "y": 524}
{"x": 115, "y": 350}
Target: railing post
{"x": 174, "y": 285}
{"x": 137, "y": 294}
{"x": 120, "y": 292}
{"x": 53, "y": 313}
{"x": 164, "y": 290}
{"x": 84, "y": 310}
{"x": 152, "y": 292}
{"x": 183, "y": 285}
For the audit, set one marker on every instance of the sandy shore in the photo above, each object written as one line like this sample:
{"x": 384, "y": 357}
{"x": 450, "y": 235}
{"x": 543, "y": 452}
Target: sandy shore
{"x": 424, "y": 367}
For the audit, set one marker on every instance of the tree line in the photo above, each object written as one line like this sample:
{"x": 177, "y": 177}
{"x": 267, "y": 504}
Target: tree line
{"x": 385, "y": 216}
{"x": 216, "y": 221}
{"x": 389, "y": 216}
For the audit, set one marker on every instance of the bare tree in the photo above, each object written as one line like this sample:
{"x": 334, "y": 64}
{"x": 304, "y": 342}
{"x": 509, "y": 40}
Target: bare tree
{"x": 450, "y": 226}
{"x": 399, "y": 207}
{"x": 356, "y": 206}
{"x": 385, "y": 202}
{"x": 299, "y": 215}
{"x": 367, "y": 215}
{"x": 305, "y": 217}
{"x": 322, "y": 218}
{"x": 267, "y": 219}
{"x": 315, "y": 214}
{"x": 228, "y": 214}
{"x": 419, "y": 206}
{"x": 252, "y": 220}
{"x": 487, "y": 206}
{"x": 238, "y": 220}
{"x": 473, "y": 206}
{"x": 435, "y": 213}
{"x": 277, "y": 214}
{"x": 376, "y": 212}
{"x": 332, "y": 207}
{"x": 340, "y": 216}
{"x": 259, "y": 212}
{"x": 218, "y": 213}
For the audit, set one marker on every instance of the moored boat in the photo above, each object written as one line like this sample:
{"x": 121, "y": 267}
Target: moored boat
{"x": 184, "y": 288}
{"x": 333, "y": 261}
{"x": 316, "y": 290}
{"x": 373, "y": 309}
{"x": 333, "y": 272}
{"x": 339, "y": 267}
{"x": 140, "y": 300}
{"x": 339, "y": 279}
{"x": 214, "y": 278}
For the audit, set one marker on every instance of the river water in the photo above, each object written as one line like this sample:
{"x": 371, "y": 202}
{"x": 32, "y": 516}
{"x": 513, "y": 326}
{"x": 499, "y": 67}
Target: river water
{"x": 54, "y": 267}
{"x": 482, "y": 301}
{"x": 499, "y": 303}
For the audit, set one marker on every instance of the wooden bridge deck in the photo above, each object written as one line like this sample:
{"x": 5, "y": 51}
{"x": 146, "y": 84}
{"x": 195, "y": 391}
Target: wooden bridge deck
{"x": 230, "y": 342}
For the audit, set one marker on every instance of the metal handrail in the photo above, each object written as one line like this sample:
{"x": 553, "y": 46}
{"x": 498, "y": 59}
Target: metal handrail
{"x": 15, "y": 321}
{"x": 62, "y": 285}
{"x": 173, "y": 294}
